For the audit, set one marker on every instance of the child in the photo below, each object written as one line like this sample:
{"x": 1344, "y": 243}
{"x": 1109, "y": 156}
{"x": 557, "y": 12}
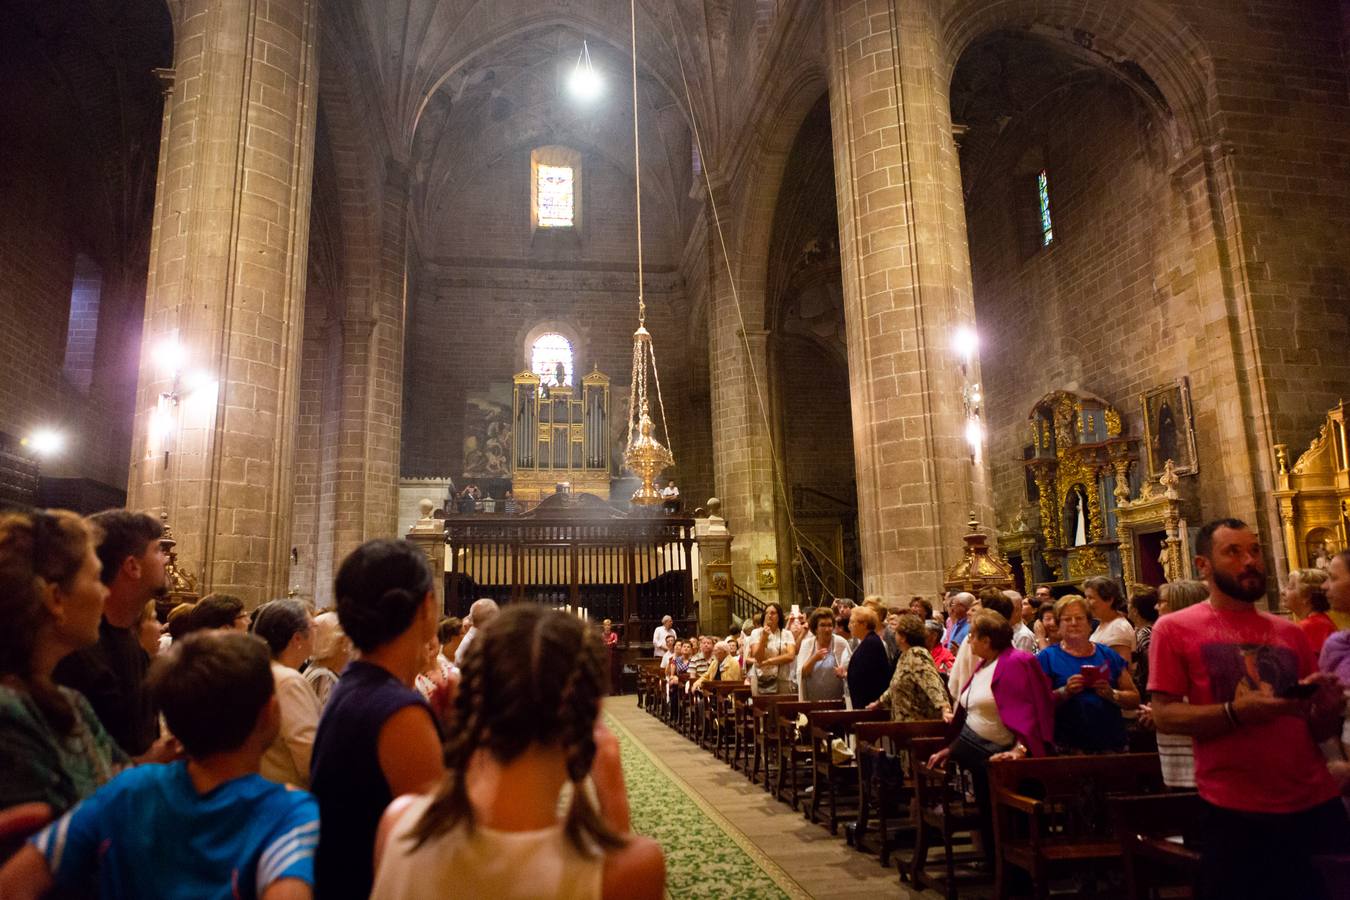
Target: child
{"x": 207, "y": 826}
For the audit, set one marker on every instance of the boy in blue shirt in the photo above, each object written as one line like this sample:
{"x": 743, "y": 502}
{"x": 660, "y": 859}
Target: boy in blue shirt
{"x": 209, "y": 826}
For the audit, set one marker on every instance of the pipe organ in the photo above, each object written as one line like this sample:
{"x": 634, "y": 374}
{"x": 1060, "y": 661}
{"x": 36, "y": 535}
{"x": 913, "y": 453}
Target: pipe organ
{"x": 560, "y": 435}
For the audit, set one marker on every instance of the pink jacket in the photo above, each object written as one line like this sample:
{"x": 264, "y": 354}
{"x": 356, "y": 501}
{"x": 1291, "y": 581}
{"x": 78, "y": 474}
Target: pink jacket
{"x": 1025, "y": 702}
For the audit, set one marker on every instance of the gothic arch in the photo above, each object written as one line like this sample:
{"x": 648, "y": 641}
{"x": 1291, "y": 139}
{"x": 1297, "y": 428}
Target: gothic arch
{"x": 1144, "y": 44}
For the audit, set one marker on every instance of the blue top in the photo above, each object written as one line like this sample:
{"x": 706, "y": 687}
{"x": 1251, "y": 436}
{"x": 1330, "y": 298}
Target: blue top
{"x": 345, "y": 775}
{"x": 957, "y": 633}
{"x": 148, "y": 833}
{"x": 869, "y": 671}
{"x": 1087, "y": 722}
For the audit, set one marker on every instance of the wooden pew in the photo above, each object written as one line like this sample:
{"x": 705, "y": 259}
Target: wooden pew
{"x": 743, "y": 726}
{"x": 887, "y": 745}
{"x": 719, "y": 721}
{"x": 942, "y": 808}
{"x": 827, "y": 776}
{"x": 766, "y": 739}
{"x": 647, "y": 670}
{"x": 794, "y": 747}
{"x": 1147, "y": 827}
{"x": 1052, "y": 812}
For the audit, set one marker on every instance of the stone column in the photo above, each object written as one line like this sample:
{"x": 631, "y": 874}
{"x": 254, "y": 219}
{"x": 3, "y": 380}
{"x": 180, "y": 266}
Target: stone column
{"x": 429, "y": 536}
{"x": 226, "y": 282}
{"x": 907, "y": 290}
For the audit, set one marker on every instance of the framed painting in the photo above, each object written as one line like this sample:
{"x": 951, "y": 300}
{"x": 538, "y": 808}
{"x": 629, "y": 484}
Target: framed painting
{"x": 1169, "y": 432}
{"x": 719, "y": 580}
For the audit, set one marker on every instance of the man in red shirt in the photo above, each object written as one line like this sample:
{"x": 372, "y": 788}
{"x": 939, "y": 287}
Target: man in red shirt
{"x": 1244, "y": 684}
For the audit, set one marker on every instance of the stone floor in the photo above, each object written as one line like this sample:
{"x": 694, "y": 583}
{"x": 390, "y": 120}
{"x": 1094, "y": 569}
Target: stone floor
{"x": 822, "y": 865}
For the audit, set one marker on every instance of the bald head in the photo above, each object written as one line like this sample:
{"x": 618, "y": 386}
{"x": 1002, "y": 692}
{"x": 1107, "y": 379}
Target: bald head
{"x": 483, "y": 611}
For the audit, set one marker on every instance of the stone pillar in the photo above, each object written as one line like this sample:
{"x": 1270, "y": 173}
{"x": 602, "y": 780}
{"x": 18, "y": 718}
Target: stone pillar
{"x": 907, "y": 290}
{"x": 714, "y": 546}
{"x": 429, "y": 536}
{"x": 226, "y": 282}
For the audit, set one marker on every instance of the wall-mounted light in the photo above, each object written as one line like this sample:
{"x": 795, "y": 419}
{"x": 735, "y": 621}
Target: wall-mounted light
{"x": 974, "y": 435}
{"x": 965, "y": 343}
{"x": 45, "y": 442}
{"x": 585, "y": 83}
{"x": 195, "y": 391}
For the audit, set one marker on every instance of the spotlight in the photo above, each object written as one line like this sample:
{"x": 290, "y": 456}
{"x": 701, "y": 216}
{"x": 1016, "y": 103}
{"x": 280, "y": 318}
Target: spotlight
{"x": 169, "y": 356}
{"x": 585, "y": 83}
{"x": 965, "y": 342}
{"x": 45, "y": 442}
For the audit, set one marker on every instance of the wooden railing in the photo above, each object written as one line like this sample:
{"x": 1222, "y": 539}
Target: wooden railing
{"x": 744, "y": 605}
{"x": 580, "y": 554}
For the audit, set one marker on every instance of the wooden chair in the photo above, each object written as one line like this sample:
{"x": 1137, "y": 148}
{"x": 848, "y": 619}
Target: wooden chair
{"x": 886, "y": 779}
{"x": 827, "y": 776}
{"x": 743, "y": 726}
{"x": 1148, "y": 827}
{"x": 647, "y": 669}
{"x": 1051, "y": 812}
{"x": 719, "y": 720}
{"x": 794, "y": 747}
{"x": 942, "y": 807}
{"x": 766, "y": 739}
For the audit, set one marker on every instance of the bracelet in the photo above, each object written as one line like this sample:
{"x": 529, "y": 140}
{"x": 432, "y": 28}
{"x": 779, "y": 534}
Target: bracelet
{"x": 1231, "y": 714}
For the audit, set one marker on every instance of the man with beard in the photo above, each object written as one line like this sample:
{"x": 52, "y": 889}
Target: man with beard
{"x": 111, "y": 673}
{"x": 1244, "y": 685}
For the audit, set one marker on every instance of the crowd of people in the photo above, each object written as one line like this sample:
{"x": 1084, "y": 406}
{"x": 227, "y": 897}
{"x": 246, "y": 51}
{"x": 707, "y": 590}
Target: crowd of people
{"x": 377, "y": 749}
{"x": 1244, "y": 706}
{"x": 381, "y": 749}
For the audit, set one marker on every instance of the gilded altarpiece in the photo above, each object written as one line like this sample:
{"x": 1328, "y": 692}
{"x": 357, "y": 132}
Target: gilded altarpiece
{"x": 1314, "y": 494}
{"x": 1082, "y": 466}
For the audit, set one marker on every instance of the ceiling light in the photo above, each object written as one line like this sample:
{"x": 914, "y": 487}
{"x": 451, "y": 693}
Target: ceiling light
{"x": 585, "y": 83}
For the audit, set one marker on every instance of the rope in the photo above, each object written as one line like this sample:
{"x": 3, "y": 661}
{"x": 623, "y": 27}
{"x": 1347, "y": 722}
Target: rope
{"x": 745, "y": 339}
{"x": 637, "y": 166}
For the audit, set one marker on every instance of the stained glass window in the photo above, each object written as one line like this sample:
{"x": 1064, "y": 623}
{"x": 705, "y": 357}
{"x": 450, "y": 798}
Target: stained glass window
{"x": 549, "y": 351}
{"x": 555, "y": 196}
{"x": 1043, "y": 191}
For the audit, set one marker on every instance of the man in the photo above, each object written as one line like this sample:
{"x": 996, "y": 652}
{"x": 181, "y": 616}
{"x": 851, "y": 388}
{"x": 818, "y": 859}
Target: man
{"x": 207, "y": 826}
{"x": 702, "y": 660}
{"x": 1024, "y": 638}
{"x": 958, "y": 622}
{"x": 670, "y": 497}
{"x": 843, "y": 609}
{"x": 1043, "y": 595}
{"x": 664, "y": 630}
{"x": 111, "y": 673}
{"x": 1244, "y": 685}
{"x": 725, "y": 666}
{"x": 483, "y": 611}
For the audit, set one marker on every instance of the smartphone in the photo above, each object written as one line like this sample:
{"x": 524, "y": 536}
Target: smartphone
{"x": 1091, "y": 675}
{"x": 1299, "y": 691}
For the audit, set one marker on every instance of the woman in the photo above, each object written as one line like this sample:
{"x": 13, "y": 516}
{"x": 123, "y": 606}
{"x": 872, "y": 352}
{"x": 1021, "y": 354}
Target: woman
{"x": 526, "y": 726}
{"x": 148, "y": 630}
{"x": 1092, "y": 685}
{"x": 332, "y": 650}
{"x": 771, "y": 647}
{"x": 677, "y": 668}
{"x": 669, "y": 653}
{"x": 797, "y": 631}
{"x": 1004, "y": 711}
{"x": 916, "y": 691}
{"x": 286, "y": 627}
{"x": 1143, "y": 613}
{"x": 1335, "y": 658}
{"x": 1047, "y": 631}
{"x": 1176, "y": 752}
{"x": 822, "y": 661}
{"x": 869, "y": 669}
{"x": 1106, "y": 603}
{"x": 932, "y": 639}
{"x": 1306, "y": 597}
{"x": 377, "y": 738}
{"x": 53, "y": 749}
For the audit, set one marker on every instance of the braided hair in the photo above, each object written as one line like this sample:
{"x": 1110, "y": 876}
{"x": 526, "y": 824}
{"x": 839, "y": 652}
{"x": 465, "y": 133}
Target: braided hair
{"x": 507, "y": 703}
{"x": 35, "y": 548}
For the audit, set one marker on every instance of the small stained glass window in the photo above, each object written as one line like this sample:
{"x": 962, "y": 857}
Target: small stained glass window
{"x": 555, "y": 196}
{"x": 1043, "y": 193}
{"x": 551, "y": 359}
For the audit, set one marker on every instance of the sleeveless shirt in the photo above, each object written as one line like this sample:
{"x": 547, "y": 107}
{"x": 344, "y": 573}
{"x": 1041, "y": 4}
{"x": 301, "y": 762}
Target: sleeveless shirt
{"x": 346, "y": 778}
{"x": 503, "y": 865}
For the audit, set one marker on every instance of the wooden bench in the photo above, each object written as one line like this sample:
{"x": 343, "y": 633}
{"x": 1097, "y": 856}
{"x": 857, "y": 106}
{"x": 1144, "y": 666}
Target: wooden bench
{"x": 794, "y": 749}
{"x": 766, "y": 739}
{"x": 1148, "y": 827}
{"x": 827, "y": 776}
{"x": 886, "y": 777}
{"x": 648, "y": 672}
{"x": 942, "y": 807}
{"x": 1052, "y": 812}
{"x": 743, "y": 725}
{"x": 718, "y": 715}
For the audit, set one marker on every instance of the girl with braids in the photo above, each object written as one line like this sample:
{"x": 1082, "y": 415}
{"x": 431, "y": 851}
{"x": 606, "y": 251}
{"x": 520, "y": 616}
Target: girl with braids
{"x": 526, "y": 727}
{"x": 53, "y": 749}
{"x": 377, "y": 738}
